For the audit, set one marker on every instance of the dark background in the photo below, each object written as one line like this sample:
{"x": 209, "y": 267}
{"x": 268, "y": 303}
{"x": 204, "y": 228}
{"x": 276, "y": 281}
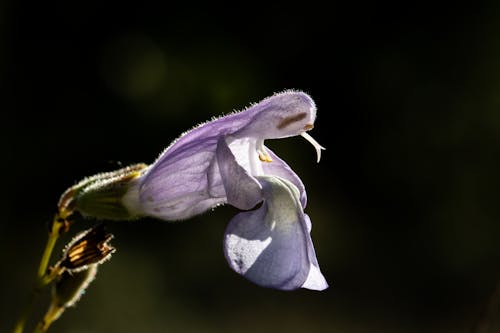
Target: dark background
{"x": 404, "y": 203}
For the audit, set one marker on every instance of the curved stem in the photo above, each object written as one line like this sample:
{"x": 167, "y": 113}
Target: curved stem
{"x": 52, "y": 315}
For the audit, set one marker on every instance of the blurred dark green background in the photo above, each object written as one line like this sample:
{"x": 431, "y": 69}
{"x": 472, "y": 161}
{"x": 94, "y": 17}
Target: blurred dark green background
{"x": 404, "y": 203}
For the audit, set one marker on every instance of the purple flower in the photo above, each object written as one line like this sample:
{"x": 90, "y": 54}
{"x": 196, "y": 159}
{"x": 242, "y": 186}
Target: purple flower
{"x": 225, "y": 161}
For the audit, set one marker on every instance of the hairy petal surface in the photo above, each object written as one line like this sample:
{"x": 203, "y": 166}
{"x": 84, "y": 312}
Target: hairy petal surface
{"x": 185, "y": 180}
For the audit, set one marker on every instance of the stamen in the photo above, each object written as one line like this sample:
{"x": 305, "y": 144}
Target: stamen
{"x": 265, "y": 157}
{"x": 315, "y": 144}
{"x": 263, "y": 154}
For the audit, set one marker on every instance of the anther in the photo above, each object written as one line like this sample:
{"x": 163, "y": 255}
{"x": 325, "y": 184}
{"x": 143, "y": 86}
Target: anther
{"x": 265, "y": 157}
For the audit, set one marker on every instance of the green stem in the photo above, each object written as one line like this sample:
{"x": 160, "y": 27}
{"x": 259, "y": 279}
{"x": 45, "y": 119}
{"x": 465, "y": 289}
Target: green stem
{"x": 52, "y": 315}
{"x": 44, "y": 262}
{"x": 42, "y": 277}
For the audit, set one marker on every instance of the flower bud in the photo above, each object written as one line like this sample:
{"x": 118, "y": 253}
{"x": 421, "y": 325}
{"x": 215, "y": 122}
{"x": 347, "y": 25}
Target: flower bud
{"x": 87, "y": 248}
{"x": 76, "y": 270}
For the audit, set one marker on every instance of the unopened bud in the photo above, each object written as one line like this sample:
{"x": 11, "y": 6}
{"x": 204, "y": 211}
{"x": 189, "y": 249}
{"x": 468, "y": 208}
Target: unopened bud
{"x": 76, "y": 270}
{"x": 89, "y": 247}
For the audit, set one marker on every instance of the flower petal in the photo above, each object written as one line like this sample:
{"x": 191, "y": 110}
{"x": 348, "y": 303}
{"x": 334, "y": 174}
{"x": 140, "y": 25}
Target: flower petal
{"x": 246, "y": 156}
{"x": 185, "y": 180}
{"x": 280, "y": 168}
{"x": 242, "y": 190}
{"x": 315, "y": 279}
{"x": 186, "y": 184}
{"x": 271, "y": 246}
{"x": 289, "y": 113}
{"x": 267, "y": 257}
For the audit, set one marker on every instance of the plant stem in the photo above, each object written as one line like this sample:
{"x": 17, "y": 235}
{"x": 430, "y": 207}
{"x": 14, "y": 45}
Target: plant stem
{"x": 43, "y": 278}
{"x": 52, "y": 315}
{"x": 44, "y": 262}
